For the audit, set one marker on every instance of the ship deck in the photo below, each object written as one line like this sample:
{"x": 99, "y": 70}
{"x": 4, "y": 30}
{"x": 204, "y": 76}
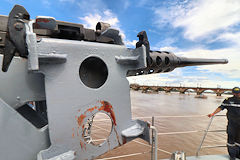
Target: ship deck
{"x": 208, "y": 157}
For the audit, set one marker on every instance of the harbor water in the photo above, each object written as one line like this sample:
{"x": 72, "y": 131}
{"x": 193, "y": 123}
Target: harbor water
{"x": 170, "y": 110}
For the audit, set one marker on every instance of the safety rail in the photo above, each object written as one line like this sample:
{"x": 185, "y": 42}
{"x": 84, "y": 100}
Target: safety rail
{"x": 154, "y": 142}
{"x": 205, "y": 134}
{"x": 163, "y": 133}
{"x": 214, "y": 146}
{"x": 166, "y": 133}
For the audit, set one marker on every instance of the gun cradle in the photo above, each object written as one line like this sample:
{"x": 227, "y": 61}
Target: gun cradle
{"x": 77, "y": 78}
{"x": 72, "y": 88}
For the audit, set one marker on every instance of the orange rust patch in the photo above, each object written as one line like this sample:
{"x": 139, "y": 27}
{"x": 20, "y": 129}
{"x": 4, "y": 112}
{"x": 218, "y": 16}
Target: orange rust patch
{"x": 73, "y": 134}
{"x": 81, "y": 144}
{"x": 124, "y": 140}
{"x": 91, "y": 109}
{"x": 80, "y": 119}
{"x": 43, "y": 20}
{"x": 107, "y": 107}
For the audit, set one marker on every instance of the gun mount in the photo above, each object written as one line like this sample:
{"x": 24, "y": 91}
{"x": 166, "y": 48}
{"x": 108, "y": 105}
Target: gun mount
{"x": 71, "y": 73}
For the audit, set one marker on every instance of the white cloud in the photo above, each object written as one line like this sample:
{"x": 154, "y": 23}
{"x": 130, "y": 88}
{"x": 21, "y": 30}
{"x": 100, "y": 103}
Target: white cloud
{"x": 164, "y": 45}
{"x": 231, "y": 70}
{"x": 170, "y": 79}
{"x": 201, "y": 18}
{"x": 126, "y": 4}
{"x": 234, "y": 38}
{"x": 211, "y": 20}
{"x": 192, "y": 78}
{"x": 168, "y": 48}
{"x": 142, "y": 3}
{"x": 107, "y": 16}
{"x": 91, "y": 6}
{"x": 46, "y": 3}
{"x": 131, "y": 44}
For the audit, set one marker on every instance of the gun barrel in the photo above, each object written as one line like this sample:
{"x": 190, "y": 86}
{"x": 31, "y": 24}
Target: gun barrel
{"x": 162, "y": 62}
{"x": 183, "y": 61}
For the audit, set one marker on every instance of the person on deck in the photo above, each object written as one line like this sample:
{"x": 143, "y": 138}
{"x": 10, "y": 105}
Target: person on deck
{"x": 232, "y": 104}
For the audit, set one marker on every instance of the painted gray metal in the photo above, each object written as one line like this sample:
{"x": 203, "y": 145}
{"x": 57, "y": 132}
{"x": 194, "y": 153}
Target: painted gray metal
{"x": 20, "y": 140}
{"x": 51, "y": 72}
{"x": 18, "y": 86}
{"x": 65, "y": 96}
{"x": 71, "y": 103}
{"x": 31, "y": 40}
{"x": 58, "y": 62}
{"x": 208, "y": 157}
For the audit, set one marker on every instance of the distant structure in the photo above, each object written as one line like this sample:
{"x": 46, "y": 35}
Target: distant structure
{"x": 182, "y": 90}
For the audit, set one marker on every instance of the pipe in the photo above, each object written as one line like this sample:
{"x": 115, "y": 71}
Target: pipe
{"x": 204, "y": 136}
{"x": 156, "y": 142}
{"x": 152, "y": 139}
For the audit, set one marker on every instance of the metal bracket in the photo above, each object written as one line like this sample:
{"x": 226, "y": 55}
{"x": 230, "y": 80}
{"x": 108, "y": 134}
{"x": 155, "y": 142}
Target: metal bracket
{"x": 143, "y": 40}
{"x": 16, "y": 35}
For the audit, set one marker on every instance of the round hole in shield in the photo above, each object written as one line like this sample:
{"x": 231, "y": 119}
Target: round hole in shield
{"x": 93, "y": 72}
{"x": 97, "y": 128}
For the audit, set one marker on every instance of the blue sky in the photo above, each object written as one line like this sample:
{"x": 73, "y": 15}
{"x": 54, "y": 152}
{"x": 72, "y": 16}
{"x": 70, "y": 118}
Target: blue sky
{"x": 191, "y": 28}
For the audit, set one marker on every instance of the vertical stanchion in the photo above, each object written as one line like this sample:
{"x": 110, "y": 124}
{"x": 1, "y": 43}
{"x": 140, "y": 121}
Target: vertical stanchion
{"x": 204, "y": 136}
{"x": 152, "y": 139}
{"x": 155, "y": 142}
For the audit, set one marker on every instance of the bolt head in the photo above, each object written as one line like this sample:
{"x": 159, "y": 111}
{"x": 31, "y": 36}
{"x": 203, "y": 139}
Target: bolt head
{"x": 18, "y": 26}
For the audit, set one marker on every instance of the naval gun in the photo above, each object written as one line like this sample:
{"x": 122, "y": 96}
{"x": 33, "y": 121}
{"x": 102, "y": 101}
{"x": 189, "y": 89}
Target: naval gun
{"x": 70, "y": 73}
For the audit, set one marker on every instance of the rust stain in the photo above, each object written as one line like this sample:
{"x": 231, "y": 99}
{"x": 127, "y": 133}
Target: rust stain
{"x": 73, "y": 134}
{"x": 91, "y": 109}
{"x": 81, "y": 144}
{"x": 124, "y": 140}
{"x": 43, "y": 20}
{"x": 117, "y": 136}
{"x": 107, "y": 107}
{"x": 148, "y": 124}
{"x": 80, "y": 119}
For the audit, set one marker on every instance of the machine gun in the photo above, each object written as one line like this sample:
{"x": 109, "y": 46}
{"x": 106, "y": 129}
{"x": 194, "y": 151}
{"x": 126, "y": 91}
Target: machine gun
{"x": 70, "y": 73}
